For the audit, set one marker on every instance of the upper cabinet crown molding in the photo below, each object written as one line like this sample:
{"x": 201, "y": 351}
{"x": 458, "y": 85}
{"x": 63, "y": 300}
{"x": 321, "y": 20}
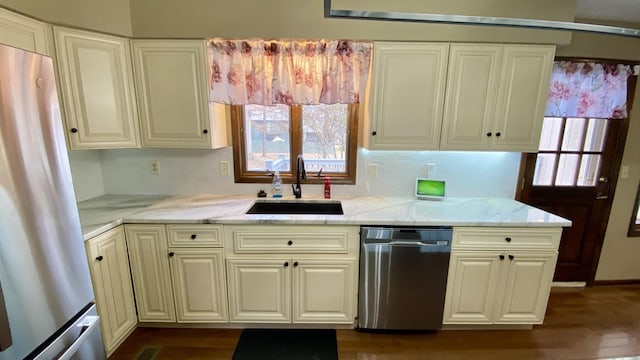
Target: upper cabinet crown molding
{"x": 172, "y": 87}
{"x": 24, "y": 32}
{"x": 96, "y": 78}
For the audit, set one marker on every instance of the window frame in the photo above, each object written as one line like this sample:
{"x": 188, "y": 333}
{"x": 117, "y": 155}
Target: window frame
{"x": 242, "y": 175}
{"x": 634, "y": 229}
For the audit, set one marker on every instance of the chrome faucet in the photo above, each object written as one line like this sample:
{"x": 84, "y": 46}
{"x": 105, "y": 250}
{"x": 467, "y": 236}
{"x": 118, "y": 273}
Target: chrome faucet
{"x": 300, "y": 173}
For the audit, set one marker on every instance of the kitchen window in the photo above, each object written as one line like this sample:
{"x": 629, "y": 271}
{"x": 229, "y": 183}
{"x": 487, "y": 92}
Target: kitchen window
{"x": 269, "y": 138}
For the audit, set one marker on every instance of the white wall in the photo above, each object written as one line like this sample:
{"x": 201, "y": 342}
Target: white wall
{"x": 86, "y": 171}
{"x": 477, "y": 174}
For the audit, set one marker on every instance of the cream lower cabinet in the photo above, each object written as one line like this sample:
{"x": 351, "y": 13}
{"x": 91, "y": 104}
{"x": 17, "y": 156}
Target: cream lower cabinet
{"x": 292, "y": 274}
{"x": 109, "y": 266}
{"x": 503, "y": 277}
{"x": 178, "y": 273}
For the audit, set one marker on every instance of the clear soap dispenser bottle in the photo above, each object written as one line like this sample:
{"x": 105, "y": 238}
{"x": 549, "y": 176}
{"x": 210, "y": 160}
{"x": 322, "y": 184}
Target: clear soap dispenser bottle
{"x": 276, "y": 185}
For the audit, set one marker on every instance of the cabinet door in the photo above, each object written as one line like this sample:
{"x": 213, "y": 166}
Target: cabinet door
{"x": 469, "y": 107}
{"x": 171, "y": 82}
{"x": 522, "y": 96}
{"x": 148, "y": 256}
{"x": 23, "y": 32}
{"x": 109, "y": 267}
{"x": 527, "y": 281}
{"x": 471, "y": 287}
{"x": 97, "y": 87}
{"x": 323, "y": 291}
{"x": 408, "y": 95}
{"x": 259, "y": 290}
{"x": 199, "y": 285}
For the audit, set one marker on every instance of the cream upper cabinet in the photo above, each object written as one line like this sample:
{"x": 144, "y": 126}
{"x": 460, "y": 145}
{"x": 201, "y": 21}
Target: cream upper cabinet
{"x": 172, "y": 84}
{"x": 109, "y": 265}
{"x": 96, "y": 79}
{"x": 148, "y": 254}
{"x": 23, "y": 32}
{"x": 199, "y": 285}
{"x": 496, "y": 96}
{"x": 407, "y": 95}
{"x": 500, "y": 275}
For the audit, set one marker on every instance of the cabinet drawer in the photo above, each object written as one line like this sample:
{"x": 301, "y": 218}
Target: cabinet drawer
{"x": 290, "y": 240}
{"x": 195, "y": 235}
{"x": 506, "y": 238}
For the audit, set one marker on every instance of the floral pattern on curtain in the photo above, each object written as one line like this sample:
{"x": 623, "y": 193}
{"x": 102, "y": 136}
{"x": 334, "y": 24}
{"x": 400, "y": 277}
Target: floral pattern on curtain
{"x": 587, "y": 89}
{"x": 288, "y": 72}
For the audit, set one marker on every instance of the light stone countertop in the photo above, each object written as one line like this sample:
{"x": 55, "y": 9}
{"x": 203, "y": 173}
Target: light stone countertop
{"x": 107, "y": 211}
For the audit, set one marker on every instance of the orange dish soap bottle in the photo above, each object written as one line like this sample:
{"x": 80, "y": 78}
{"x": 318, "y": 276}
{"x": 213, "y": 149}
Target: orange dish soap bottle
{"x": 327, "y": 188}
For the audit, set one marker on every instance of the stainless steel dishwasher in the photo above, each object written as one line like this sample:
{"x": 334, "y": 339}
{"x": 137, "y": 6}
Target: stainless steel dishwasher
{"x": 403, "y": 277}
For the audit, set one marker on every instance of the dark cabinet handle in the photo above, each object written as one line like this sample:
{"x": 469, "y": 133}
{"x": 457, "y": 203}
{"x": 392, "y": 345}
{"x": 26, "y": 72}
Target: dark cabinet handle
{"x": 74, "y": 130}
{"x": 295, "y": 264}
{"x": 171, "y": 254}
{"x": 374, "y": 133}
{"x": 507, "y": 239}
{"x": 193, "y": 236}
{"x": 498, "y": 134}
{"x": 501, "y": 257}
{"x": 289, "y": 242}
{"x": 489, "y": 134}
{"x": 205, "y": 131}
{"x": 286, "y": 263}
{"x": 511, "y": 257}
{"x": 99, "y": 258}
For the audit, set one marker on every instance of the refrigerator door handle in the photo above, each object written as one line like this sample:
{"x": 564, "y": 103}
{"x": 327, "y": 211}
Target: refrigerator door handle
{"x": 5, "y": 328}
{"x": 88, "y": 324}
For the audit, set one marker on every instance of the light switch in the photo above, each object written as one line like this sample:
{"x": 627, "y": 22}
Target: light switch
{"x": 372, "y": 171}
{"x": 624, "y": 172}
{"x": 224, "y": 168}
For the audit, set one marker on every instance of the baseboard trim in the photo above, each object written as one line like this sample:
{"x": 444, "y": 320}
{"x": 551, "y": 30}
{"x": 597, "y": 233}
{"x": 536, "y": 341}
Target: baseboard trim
{"x": 617, "y": 282}
{"x": 573, "y": 284}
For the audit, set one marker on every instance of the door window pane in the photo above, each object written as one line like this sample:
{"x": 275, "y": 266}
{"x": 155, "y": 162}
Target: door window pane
{"x": 545, "y": 169}
{"x": 567, "y": 169}
{"x": 267, "y": 137}
{"x": 595, "y": 135}
{"x": 550, "y": 136}
{"x": 324, "y": 143}
{"x": 589, "y": 170}
{"x": 573, "y": 134}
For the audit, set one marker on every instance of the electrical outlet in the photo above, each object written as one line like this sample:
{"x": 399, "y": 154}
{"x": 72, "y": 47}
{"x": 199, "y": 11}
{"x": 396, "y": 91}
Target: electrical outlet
{"x": 154, "y": 166}
{"x": 372, "y": 171}
{"x": 224, "y": 168}
{"x": 431, "y": 169}
{"x": 624, "y": 172}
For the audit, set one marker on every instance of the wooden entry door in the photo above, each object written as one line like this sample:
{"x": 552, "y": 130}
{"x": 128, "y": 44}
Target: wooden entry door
{"x": 573, "y": 176}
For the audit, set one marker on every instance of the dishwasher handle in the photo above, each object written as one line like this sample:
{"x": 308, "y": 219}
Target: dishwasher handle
{"x": 419, "y": 243}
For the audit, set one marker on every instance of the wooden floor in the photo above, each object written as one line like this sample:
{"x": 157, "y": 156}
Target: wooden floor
{"x": 581, "y": 323}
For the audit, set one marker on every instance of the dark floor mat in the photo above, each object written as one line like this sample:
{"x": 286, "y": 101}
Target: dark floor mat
{"x": 285, "y": 344}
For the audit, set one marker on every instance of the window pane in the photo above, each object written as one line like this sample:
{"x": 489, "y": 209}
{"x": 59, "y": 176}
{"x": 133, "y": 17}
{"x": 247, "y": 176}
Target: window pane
{"x": 543, "y": 175}
{"x": 573, "y": 130}
{"x": 595, "y": 134}
{"x": 324, "y": 144}
{"x": 267, "y": 137}
{"x": 550, "y": 136}
{"x": 589, "y": 170}
{"x": 567, "y": 168}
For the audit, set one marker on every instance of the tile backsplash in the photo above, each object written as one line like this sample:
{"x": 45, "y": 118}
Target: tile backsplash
{"x": 389, "y": 173}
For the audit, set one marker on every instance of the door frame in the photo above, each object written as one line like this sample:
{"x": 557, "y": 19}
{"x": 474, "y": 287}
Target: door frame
{"x": 615, "y": 166}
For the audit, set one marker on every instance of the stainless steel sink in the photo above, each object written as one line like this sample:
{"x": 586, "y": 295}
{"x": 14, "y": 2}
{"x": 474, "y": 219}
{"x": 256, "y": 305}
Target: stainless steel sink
{"x": 297, "y": 207}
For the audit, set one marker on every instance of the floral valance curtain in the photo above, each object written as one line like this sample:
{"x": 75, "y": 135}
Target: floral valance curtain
{"x": 288, "y": 72}
{"x": 587, "y": 89}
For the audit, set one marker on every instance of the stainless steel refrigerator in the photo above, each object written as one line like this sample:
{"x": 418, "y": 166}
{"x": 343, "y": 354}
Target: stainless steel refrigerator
{"x": 46, "y": 298}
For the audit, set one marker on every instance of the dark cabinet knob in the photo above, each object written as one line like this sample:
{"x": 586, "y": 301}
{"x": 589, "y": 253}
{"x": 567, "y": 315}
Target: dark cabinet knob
{"x": 489, "y": 134}
{"x": 507, "y": 239}
{"x": 286, "y": 263}
{"x": 511, "y": 257}
{"x": 373, "y": 133}
{"x": 99, "y": 258}
{"x": 205, "y": 131}
{"x": 498, "y": 134}
{"x": 193, "y": 236}
{"x": 289, "y": 242}
{"x": 295, "y": 264}
{"x": 74, "y": 130}
{"x": 501, "y": 257}
{"x": 171, "y": 254}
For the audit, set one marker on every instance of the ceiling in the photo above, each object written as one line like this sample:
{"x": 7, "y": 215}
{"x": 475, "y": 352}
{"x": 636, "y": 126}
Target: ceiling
{"x": 616, "y": 10}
